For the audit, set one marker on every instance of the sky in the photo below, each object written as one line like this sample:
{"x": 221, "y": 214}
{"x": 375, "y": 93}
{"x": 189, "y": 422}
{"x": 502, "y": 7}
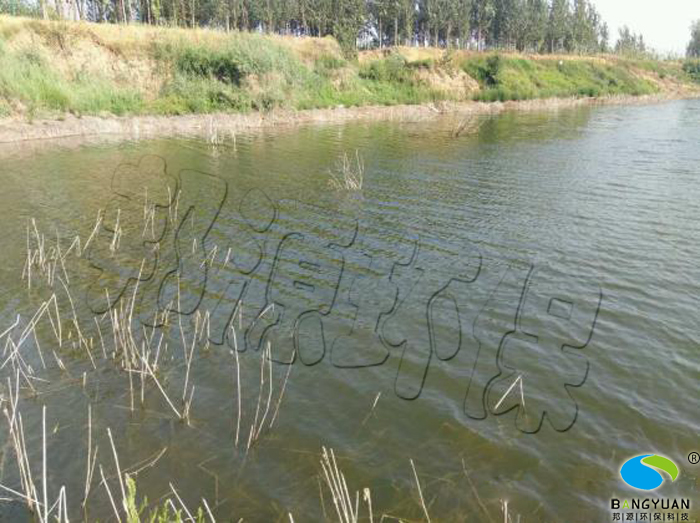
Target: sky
{"x": 665, "y": 25}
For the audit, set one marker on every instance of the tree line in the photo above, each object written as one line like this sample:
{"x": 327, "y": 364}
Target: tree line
{"x": 546, "y": 26}
{"x": 693, "y": 50}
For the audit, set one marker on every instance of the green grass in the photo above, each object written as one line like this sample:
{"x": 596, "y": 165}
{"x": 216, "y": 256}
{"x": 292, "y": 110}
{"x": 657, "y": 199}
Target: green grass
{"x": 193, "y": 72}
{"x": 254, "y": 73}
{"x": 505, "y": 78}
{"x": 28, "y": 79}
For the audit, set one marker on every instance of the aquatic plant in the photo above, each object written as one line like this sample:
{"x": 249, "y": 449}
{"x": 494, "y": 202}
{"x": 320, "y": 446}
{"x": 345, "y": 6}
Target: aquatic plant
{"x": 348, "y": 175}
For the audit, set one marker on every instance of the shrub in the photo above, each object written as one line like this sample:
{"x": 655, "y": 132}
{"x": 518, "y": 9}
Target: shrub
{"x": 425, "y": 63}
{"x": 493, "y": 67}
{"x": 326, "y": 65}
{"x": 484, "y": 70}
{"x": 391, "y": 69}
{"x": 218, "y": 64}
{"x": 692, "y": 69}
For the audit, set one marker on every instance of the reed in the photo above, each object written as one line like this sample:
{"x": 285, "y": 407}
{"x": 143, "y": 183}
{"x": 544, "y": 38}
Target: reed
{"x": 348, "y": 175}
{"x": 518, "y": 380}
{"x": 140, "y": 356}
{"x": 346, "y": 506}
{"x": 420, "y": 492}
{"x": 266, "y": 389}
{"x": 91, "y": 459}
{"x": 238, "y": 384}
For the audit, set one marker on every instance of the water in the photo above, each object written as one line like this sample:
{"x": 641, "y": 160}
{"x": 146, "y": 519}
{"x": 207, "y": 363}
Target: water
{"x": 544, "y": 258}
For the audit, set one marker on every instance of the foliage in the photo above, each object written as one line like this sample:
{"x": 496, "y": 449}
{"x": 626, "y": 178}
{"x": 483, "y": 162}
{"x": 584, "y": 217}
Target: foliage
{"x": 523, "y": 25}
{"x": 484, "y": 69}
{"x": 391, "y": 69}
{"x": 693, "y": 50}
{"x": 165, "y": 513}
{"x": 510, "y": 78}
{"x": 630, "y": 43}
{"x": 692, "y": 68}
{"x": 29, "y": 78}
{"x": 198, "y": 72}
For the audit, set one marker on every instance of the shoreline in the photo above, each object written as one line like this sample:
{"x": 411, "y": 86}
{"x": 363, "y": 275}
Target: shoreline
{"x": 221, "y": 126}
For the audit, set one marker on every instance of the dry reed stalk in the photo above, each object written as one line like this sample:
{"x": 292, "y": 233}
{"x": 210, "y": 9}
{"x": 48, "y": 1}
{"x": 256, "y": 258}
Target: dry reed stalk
{"x": 62, "y": 506}
{"x": 189, "y": 355}
{"x": 519, "y": 379}
{"x": 91, "y": 459}
{"x": 420, "y": 492}
{"x": 31, "y": 326}
{"x": 476, "y": 493}
{"x": 177, "y": 205}
{"x": 335, "y": 480}
{"x": 284, "y": 388}
{"x": 184, "y": 507}
{"x": 269, "y": 396}
{"x": 238, "y": 384}
{"x": 16, "y": 429}
{"x": 109, "y": 494}
{"x": 187, "y": 406}
{"x": 367, "y": 496}
{"x": 346, "y": 176}
{"x": 116, "y": 238}
{"x": 94, "y": 230}
{"x": 206, "y": 506}
{"x": 102, "y": 341}
{"x": 10, "y": 329}
{"x": 44, "y": 460}
{"x": 210, "y": 258}
{"x": 162, "y": 391}
{"x": 374, "y": 406}
{"x": 146, "y": 463}
{"x": 257, "y": 408}
{"x": 119, "y": 472}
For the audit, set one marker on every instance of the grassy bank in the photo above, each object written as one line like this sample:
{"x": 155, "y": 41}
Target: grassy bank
{"x": 53, "y": 68}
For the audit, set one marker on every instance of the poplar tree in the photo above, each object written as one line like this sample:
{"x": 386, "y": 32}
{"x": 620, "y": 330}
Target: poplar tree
{"x": 693, "y": 50}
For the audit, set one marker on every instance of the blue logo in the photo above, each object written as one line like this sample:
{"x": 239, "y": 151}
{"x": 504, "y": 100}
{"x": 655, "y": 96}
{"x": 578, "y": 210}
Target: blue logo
{"x": 640, "y": 472}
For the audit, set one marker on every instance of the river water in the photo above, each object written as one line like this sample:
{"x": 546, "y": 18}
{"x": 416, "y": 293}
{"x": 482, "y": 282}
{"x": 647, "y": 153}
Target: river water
{"x": 509, "y": 303}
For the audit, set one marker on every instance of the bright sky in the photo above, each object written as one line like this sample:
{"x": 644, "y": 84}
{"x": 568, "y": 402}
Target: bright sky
{"x": 665, "y": 25}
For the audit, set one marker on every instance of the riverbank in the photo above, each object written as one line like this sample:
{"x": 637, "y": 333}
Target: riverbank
{"x": 63, "y": 79}
{"x": 220, "y": 127}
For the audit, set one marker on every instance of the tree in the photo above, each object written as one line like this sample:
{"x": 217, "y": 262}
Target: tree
{"x": 464, "y": 22}
{"x": 407, "y": 17}
{"x": 604, "y": 38}
{"x": 536, "y": 31}
{"x": 349, "y": 18}
{"x": 483, "y": 12}
{"x": 630, "y": 42}
{"x": 558, "y": 27}
{"x": 526, "y": 25}
{"x": 694, "y": 45}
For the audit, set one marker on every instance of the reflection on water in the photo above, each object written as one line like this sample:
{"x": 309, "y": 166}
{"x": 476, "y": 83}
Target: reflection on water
{"x": 510, "y": 302}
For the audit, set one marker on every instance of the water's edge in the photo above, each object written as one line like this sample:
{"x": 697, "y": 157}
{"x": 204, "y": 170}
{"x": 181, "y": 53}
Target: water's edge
{"x": 219, "y": 127}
